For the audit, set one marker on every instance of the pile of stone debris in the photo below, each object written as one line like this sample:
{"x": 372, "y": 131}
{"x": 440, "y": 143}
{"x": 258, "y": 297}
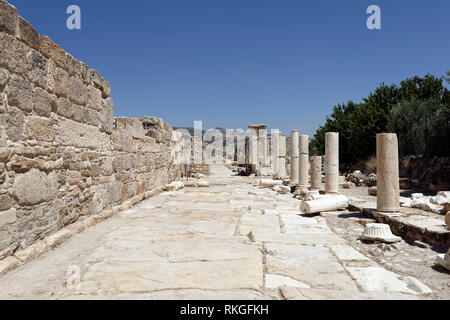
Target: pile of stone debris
{"x": 360, "y": 179}
{"x": 439, "y": 204}
{"x": 158, "y": 129}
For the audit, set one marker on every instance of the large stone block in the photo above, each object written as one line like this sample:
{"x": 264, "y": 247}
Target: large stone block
{"x": 8, "y": 18}
{"x": 78, "y": 113}
{"x": 92, "y": 117}
{"x": 148, "y": 144}
{"x": 61, "y": 82}
{"x": 38, "y": 68}
{"x": 35, "y": 187}
{"x": 13, "y": 121}
{"x": 131, "y": 126}
{"x": 28, "y": 34}
{"x": 78, "y": 69}
{"x": 5, "y": 202}
{"x": 4, "y": 76}
{"x": 19, "y": 92}
{"x": 63, "y": 107}
{"x": 40, "y": 129}
{"x": 95, "y": 98}
{"x": 42, "y": 102}
{"x": 101, "y": 83}
{"x": 122, "y": 142}
{"x": 14, "y": 59}
{"x": 80, "y": 135}
{"x": 50, "y": 76}
{"x": 77, "y": 91}
{"x": 107, "y": 116}
{"x": 7, "y": 217}
{"x": 153, "y": 122}
{"x": 156, "y": 134}
{"x": 168, "y": 127}
{"x": 52, "y": 51}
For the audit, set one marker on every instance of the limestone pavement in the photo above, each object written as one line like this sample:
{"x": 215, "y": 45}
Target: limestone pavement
{"x": 231, "y": 240}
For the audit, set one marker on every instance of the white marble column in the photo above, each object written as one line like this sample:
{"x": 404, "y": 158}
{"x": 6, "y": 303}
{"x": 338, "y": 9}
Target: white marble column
{"x": 332, "y": 162}
{"x": 275, "y": 147}
{"x": 388, "y": 185}
{"x": 316, "y": 172}
{"x": 303, "y": 160}
{"x": 263, "y": 147}
{"x": 253, "y": 147}
{"x": 282, "y": 159}
{"x": 294, "y": 157}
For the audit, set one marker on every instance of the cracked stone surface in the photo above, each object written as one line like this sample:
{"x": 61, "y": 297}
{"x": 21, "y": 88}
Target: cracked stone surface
{"x": 231, "y": 240}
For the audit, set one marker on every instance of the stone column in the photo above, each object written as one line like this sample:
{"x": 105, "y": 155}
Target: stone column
{"x": 332, "y": 162}
{"x": 304, "y": 160}
{"x": 282, "y": 158}
{"x": 316, "y": 172}
{"x": 253, "y": 148}
{"x": 294, "y": 157}
{"x": 275, "y": 152}
{"x": 388, "y": 185}
{"x": 263, "y": 147}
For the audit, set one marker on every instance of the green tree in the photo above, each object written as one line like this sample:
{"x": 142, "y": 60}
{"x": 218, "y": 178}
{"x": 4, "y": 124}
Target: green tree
{"x": 417, "y": 109}
{"x": 417, "y": 124}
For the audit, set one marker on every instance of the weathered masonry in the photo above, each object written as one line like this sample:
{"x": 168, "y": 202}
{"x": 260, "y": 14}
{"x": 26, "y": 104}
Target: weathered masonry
{"x": 63, "y": 155}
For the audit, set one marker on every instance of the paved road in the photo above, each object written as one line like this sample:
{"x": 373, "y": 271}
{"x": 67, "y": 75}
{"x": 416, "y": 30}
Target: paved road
{"x": 232, "y": 240}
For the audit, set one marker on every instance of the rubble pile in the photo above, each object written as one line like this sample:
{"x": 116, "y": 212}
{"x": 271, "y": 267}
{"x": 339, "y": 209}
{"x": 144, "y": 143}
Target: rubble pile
{"x": 434, "y": 204}
{"x": 360, "y": 179}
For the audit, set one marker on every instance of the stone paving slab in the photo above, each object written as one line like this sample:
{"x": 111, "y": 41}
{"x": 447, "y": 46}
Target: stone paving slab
{"x": 182, "y": 294}
{"x": 292, "y": 293}
{"x": 199, "y": 249}
{"x": 258, "y": 223}
{"x": 301, "y": 237}
{"x": 315, "y": 266}
{"x": 147, "y": 276}
{"x": 377, "y": 279}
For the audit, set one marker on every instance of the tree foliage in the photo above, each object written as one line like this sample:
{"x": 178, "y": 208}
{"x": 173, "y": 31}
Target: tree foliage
{"x": 417, "y": 110}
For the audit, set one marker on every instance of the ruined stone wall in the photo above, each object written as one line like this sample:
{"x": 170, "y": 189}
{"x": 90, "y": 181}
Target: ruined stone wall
{"x": 63, "y": 155}
{"x": 431, "y": 174}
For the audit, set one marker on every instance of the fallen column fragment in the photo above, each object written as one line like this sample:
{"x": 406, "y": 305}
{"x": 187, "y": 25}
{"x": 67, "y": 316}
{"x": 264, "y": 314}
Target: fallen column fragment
{"x": 202, "y": 184}
{"x": 444, "y": 260}
{"x": 331, "y": 203}
{"x": 379, "y": 232}
{"x": 174, "y": 186}
{"x": 270, "y": 183}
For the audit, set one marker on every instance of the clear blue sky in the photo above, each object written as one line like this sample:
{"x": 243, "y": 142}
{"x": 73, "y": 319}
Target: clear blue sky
{"x": 235, "y": 62}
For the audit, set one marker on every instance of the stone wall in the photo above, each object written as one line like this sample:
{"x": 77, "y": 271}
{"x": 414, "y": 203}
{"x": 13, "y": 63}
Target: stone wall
{"x": 429, "y": 174}
{"x": 63, "y": 155}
